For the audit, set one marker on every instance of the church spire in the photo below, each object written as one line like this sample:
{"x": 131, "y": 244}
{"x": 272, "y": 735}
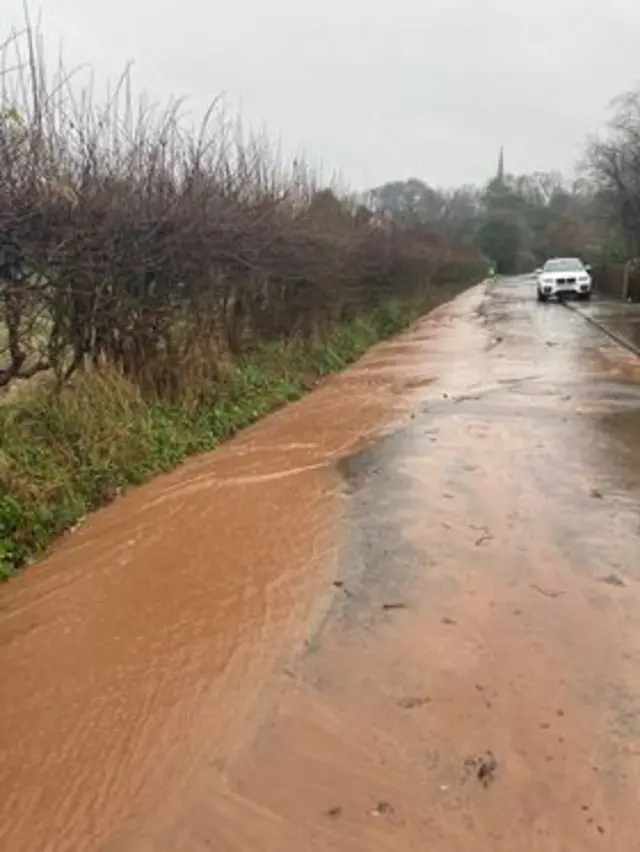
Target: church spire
{"x": 500, "y": 175}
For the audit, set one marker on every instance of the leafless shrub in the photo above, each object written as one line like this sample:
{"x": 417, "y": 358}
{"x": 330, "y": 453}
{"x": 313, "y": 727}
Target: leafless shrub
{"x": 126, "y": 238}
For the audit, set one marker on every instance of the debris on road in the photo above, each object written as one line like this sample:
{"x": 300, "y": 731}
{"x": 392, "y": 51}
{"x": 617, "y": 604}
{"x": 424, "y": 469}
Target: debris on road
{"x": 485, "y": 534}
{"x": 486, "y": 701}
{"x": 339, "y": 584}
{"x": 77, "y": 525}
{"x": 398, "y": 605}
{"x": 487, "y": 769}
{"x": 412, "y": 702}
{"x": 549, "y": 593}
{"x": 468, "y": 397}
{"x": 597, "y": 495}
{"x": 335, "y": 812}
{"x": 447, "y": 620}
{"x": 483, "y": 766}
{"x": 612, "y": 580}
{"x": 382, "y": 809}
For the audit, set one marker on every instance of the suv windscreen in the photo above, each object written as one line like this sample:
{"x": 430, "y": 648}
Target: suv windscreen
{"x": 563, "y": 266}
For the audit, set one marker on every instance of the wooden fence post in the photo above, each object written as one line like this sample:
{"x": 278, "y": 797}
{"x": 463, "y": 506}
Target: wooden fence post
{"x": 626, "y": 275}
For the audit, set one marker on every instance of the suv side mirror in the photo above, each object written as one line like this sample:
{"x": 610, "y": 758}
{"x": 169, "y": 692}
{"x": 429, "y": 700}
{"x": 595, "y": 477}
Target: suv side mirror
{"x": 538, "y": 271}
{"x": 588, "y": 267}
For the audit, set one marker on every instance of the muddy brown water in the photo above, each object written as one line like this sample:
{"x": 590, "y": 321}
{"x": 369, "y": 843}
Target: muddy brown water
{"x": 400, "y": 614}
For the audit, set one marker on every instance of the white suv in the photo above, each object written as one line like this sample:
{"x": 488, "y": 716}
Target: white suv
{"x": 564, "y": 276}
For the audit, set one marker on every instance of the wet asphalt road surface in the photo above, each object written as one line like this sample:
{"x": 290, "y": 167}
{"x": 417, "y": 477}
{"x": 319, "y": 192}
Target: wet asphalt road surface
{"x": 401, "y": 614}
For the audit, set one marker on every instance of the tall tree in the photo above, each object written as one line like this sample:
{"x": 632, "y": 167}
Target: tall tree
{"x": 613, "y": 164}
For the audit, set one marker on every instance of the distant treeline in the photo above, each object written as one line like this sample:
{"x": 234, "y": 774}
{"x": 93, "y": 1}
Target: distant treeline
{"x": 519, "y": 220}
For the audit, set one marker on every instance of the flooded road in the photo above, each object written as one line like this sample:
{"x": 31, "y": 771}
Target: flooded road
{"x": 620, "y": 320}
{"x": 401, "y": 614}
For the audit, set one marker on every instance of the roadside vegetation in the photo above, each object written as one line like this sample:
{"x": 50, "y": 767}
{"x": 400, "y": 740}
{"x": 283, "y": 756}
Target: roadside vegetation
{"x": 162, "y": 287}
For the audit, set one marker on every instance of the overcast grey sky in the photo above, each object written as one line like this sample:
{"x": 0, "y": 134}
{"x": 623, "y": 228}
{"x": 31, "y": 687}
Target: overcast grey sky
{"x": 377, "y": 90}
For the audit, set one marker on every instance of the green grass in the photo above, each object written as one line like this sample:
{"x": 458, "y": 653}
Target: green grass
{"x": 63, "y": 455}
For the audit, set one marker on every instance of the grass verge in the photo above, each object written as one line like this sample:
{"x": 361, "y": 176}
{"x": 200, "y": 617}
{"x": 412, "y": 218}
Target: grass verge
{"x": 63, "y": 455}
